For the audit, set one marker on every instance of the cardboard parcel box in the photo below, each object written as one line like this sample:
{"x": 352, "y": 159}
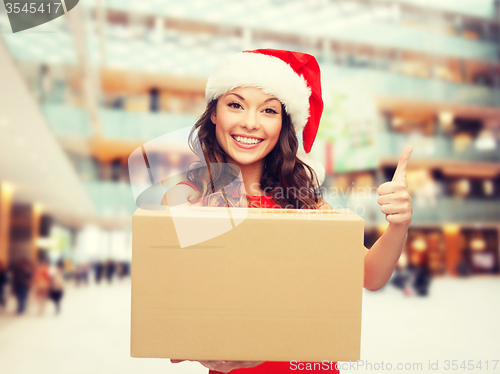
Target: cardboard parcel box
{"x": 271, "y": 285}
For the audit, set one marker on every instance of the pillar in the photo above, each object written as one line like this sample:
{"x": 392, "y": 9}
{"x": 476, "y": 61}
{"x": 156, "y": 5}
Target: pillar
{"x": 6, "y": 192}
{"x": 36, "y": 214}
{"x": 451, "y": 235}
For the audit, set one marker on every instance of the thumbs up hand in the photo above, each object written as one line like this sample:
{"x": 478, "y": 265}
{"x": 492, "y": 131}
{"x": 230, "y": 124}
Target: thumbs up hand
{"x": 394, "y": 199}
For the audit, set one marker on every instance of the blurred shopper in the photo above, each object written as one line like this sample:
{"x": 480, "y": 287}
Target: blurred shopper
{"x": 22, "y": 275}
{"x": 154, "y": 99}
{"x": 422, "y": 280}
{"x": 124, "y": 269}
{"x": 463, "y": 269}
{"x": 56, "y": 290}
{"x": 401, "y": 280}
{"x": 85, "y": 273}
{"x": 403, "y": 275}
{"x": 419, "y": 267}
{"x": 98, "y": 271}
{"x": 42, "y": 285}
{"x": 77, "y": 275}
{"x": 4, "y": 279}
{"x": 110, "y": 270}
{"x": 82, "y": 274}
{"x": 45, "y": 83}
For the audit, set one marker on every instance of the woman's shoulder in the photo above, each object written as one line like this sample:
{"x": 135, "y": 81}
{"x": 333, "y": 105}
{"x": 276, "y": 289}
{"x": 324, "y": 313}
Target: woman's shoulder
{"x": 189, "y": 184}
{"x": 179, "y": 194}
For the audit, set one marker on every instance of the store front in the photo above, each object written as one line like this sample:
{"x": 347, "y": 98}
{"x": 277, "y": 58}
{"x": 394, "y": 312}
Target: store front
{"x": 473, "y": 252}
{"x": 480, "y": 251}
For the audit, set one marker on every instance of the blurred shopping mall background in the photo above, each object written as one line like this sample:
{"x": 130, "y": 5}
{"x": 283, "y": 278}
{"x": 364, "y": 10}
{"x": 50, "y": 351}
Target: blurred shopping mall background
{"x": 82, "y": 92}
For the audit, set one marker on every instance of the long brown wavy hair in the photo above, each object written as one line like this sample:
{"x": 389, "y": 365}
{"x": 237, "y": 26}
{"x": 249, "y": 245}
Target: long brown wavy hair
{"x": 290, "y": 182}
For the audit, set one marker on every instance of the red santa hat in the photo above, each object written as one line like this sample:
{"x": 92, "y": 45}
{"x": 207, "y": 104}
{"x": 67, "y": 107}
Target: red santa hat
{"x": 293, "y": 77}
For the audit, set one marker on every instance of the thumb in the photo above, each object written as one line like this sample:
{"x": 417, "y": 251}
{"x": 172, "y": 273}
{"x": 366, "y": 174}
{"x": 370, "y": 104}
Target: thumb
{"x": 400, "y": 173}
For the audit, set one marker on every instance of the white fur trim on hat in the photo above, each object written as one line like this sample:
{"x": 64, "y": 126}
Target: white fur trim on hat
{"x": 318, "y": 168}
{"x": 271, "y": 74}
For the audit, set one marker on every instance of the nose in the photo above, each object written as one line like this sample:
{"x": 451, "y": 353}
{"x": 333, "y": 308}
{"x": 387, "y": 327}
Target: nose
{"x": 251, "y": 121}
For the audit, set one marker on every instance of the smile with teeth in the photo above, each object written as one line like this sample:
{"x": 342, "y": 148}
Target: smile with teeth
{"x": 243, "y": 140}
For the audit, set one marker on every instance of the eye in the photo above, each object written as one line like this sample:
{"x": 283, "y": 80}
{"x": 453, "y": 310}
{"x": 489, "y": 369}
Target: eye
{"x": 270, "y": 111}
{"x": 234, "y": 105}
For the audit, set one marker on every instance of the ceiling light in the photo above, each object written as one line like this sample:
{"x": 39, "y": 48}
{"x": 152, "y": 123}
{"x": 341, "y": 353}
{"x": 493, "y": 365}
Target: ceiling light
{"x": 7, "y": 190}
{"x": 37, "y": 208}
{"x": 419, "y": 244}
{"x": 397, "y": 121}
{"x": 446, "y": 119}
{"x": 488, "y": 187}
{"x": 485, "y": 141}
{"x": 451, "y": 229}
{"x": 478, "y": 244}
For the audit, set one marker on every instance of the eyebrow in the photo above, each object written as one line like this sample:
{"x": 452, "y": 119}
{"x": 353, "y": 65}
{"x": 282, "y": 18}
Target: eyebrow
{"x": 242, "y": 98}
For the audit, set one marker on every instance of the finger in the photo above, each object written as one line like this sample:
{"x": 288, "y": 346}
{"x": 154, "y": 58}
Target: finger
{"x": 228, "y": 366}
{"x": 391, "y": 209}
{"x": 213, "y": 364}
{"x": 398, "y": 218}
{"x": 384, "y": 199}
{"x": 388, "y": 188}
{"x": 400, "y": 173}
{"x": 176, "y": 361}
{"x": 398, "y": 195}
{"x": 208, "y": 364}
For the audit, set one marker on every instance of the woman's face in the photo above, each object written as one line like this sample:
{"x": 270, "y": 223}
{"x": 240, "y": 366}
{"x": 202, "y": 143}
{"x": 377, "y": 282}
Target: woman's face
{"x": 247, "y": 124}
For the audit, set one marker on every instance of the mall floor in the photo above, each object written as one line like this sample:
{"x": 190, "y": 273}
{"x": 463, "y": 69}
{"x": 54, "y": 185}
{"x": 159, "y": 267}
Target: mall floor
{"x": 459, "y": 320}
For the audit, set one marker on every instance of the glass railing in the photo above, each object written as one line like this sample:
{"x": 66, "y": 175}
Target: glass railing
{"x": 440, "y": 210}
{"x": 432, "y": 147}
{"x": 120, "y": 124}
{"x": 382, "y": 83}
{"x": 115, "y": 200}
{"x": 112, "y": 199}
{"x": 475, "y": 8}
{"x": 373, "y": 25}
{"x": 66, "y": 120}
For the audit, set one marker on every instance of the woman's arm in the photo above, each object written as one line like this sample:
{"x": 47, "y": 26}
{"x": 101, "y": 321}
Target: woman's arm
{"x": 395, "y": 202}
{"x": 382, "y": 258}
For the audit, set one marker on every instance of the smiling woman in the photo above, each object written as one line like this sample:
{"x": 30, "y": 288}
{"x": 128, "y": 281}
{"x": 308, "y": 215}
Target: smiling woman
{"x": 247, "y": 126}
{"x": 257, "y": 103}
{"x": 251, "y": 130}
